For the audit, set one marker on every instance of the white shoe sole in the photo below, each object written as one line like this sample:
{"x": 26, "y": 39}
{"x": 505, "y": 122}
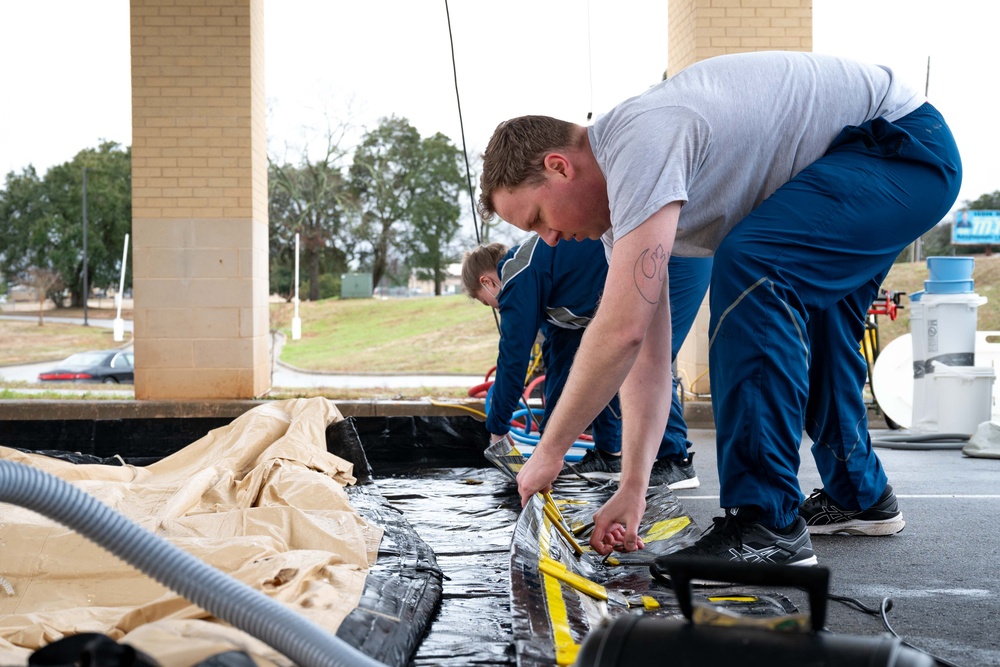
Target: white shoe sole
{"x": 692, "y": 483}
{"x": 601, "y": 476}
{"x": 861, "y": 528}
{"x": 812, "y": 561}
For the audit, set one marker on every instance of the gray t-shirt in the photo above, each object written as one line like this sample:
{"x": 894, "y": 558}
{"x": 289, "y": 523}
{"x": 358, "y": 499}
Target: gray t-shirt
{"x": 725, "y": 133}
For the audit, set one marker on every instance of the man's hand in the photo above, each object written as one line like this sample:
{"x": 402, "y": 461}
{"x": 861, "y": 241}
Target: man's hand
{"x": 538, "y": 472}
{"x": 616, "y": 525}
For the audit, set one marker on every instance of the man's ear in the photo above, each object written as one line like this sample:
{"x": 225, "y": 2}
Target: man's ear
{"x": 558, "y": 164}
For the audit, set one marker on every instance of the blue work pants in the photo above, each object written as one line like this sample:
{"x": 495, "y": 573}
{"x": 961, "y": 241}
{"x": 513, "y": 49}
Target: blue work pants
{"x": 791, "y": 286}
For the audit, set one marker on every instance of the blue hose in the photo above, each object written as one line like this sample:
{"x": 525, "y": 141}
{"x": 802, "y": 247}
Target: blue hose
{"x": 226, "y": 598}
{"x": 527, "y": 436}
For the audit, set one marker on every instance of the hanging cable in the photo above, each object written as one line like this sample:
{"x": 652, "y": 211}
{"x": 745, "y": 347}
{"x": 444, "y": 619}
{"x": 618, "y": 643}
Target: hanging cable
{"x": 590, "y": 65}
{"x": 461, "y": 125}
{"x": 465, "y": 150}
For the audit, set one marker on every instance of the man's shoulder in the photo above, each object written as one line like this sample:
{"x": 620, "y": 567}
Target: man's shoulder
{"x": 519, "y": 259}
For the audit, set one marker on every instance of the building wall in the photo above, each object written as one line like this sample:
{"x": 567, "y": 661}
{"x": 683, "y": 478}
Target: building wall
{"x": 700, "y": 29}
{"x": 199, "y": 199}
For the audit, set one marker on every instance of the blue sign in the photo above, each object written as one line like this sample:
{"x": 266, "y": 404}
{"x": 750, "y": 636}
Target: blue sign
{"x": 976, "y": 228}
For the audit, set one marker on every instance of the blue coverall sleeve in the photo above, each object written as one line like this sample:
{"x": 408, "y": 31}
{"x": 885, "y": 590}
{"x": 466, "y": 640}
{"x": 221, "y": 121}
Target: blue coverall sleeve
{"x": 521, "y": 301}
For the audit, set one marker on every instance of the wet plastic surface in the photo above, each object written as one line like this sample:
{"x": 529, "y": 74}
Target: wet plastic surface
{"x": 467, "y": 516}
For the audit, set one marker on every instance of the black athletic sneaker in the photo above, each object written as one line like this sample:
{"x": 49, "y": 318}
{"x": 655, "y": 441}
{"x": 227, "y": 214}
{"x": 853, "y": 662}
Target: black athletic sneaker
{"x": 675, "y": 475}
{"x": 595, "y": 464}
{"x": 731, "y": 538}
{"x": 826, "y": 517}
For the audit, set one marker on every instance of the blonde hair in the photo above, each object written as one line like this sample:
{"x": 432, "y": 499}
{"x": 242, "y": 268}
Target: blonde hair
{"x": 479, "y": 261}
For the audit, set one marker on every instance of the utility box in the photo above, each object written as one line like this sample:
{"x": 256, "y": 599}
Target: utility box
{"x": 356, "y": 286}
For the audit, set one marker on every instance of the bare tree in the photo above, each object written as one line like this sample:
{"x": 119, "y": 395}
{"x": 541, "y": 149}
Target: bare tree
{"x": 311, "y": 199}
{"x": 44, "y": 282}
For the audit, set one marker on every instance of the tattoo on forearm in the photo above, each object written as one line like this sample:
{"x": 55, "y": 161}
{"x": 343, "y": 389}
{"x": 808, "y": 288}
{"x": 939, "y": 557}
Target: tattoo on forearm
{"x": 648, "y": 274}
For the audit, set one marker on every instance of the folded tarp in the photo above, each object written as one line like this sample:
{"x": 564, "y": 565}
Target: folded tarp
{"x": 260, "y": 499}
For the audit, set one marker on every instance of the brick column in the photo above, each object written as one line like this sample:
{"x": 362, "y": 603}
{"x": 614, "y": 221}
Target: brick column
{"x": 700, "y": 29}
{"x": 199, "y": 199}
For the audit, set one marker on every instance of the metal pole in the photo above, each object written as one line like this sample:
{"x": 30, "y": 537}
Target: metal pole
{"x": 86, "y": 287}
{"x": 296, "y": 321}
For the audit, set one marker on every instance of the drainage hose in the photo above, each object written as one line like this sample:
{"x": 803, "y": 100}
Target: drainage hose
{"x": 226, "y": 598}
{"x": 922, "y": 441}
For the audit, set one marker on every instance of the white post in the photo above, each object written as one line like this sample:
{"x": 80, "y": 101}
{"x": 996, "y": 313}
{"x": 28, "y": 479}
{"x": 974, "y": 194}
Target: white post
{"x": 119, "y": 324}
{"x": 296, "y": 322}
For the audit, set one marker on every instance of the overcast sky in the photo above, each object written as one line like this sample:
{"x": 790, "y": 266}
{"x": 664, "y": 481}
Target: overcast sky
{"x": 66, "y": 67}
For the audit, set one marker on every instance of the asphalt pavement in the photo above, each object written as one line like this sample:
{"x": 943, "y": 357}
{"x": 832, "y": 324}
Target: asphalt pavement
{"x": 942, "y": 572}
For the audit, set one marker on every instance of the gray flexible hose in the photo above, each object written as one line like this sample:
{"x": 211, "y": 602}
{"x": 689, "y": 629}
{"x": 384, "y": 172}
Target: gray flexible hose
{"x": 922, "y": 441}
{"x": 243, "y": 607}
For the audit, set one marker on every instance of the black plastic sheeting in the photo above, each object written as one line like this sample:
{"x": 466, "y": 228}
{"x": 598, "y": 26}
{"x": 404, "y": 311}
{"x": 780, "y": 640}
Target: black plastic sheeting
{"x": 467, "y": 515}
{"x": 433, "y": 471}
{"x": 138, "y": 441}
{"x": 438, "y": 486}
{"x": 549, "y": 631}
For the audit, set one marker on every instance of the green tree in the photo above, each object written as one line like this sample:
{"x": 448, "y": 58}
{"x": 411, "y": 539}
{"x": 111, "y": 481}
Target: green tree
{"x": 43, "y": 219}
{"x": 987, "y": 202}
{"x": 434, "y": 209}
{"x": 313, "y": 200}
{"x": 937, "y": 241}
{"x": 382, "y": 178}
{"x": 23, "y": 207}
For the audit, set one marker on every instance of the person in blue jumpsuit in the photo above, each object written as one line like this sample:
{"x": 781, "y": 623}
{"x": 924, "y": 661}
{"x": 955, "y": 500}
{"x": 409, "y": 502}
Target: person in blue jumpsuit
{"x": 556, "y": 290}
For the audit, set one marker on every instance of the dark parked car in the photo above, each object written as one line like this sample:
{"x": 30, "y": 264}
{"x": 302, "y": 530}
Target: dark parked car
{"x": 107, "y": 366}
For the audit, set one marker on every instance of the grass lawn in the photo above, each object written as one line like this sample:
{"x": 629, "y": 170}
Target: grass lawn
{"x": 25, "y": 342}
{"x": 446, "y": 334}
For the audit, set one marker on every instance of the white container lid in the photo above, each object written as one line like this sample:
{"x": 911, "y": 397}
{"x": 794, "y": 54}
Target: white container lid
{"x": 963, "y": 298}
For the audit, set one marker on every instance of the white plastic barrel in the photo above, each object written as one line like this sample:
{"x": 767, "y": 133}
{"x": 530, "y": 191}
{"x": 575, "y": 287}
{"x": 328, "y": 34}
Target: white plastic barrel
{"x": 944, "y": 334}
{"x": 924, "y": 406}
{"x": 964, "y": 397}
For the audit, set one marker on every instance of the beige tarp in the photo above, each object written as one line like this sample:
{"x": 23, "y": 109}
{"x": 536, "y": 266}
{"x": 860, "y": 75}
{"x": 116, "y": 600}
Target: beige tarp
{"x": 261, "y": 499}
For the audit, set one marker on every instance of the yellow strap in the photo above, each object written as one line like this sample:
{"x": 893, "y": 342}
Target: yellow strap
{"x": 565, "y": 647}
{"x": 550, "y": 514}
{"x": 554, "y": 568}
{"x": 664, "y": 530}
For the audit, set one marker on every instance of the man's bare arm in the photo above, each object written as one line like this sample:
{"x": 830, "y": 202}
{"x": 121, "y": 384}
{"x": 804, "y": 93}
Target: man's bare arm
{"x": 634, "y": 292}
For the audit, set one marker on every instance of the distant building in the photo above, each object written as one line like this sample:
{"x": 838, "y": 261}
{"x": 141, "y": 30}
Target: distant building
{"x": 22, "y": 293}
{"x": 452, "y": 283}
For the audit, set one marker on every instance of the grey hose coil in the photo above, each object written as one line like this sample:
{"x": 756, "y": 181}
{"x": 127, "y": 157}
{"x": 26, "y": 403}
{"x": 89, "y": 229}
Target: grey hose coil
{"x": 922, "y": 441}
{"x": 243, "y": 607}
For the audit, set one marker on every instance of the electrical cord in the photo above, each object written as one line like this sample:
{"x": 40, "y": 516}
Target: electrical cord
{"x": 882, "y": 611}
{"x": 461, "y": 125}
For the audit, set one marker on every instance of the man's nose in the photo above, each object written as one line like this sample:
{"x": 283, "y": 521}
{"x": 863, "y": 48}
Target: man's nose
{"x": 550, "y": 236}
